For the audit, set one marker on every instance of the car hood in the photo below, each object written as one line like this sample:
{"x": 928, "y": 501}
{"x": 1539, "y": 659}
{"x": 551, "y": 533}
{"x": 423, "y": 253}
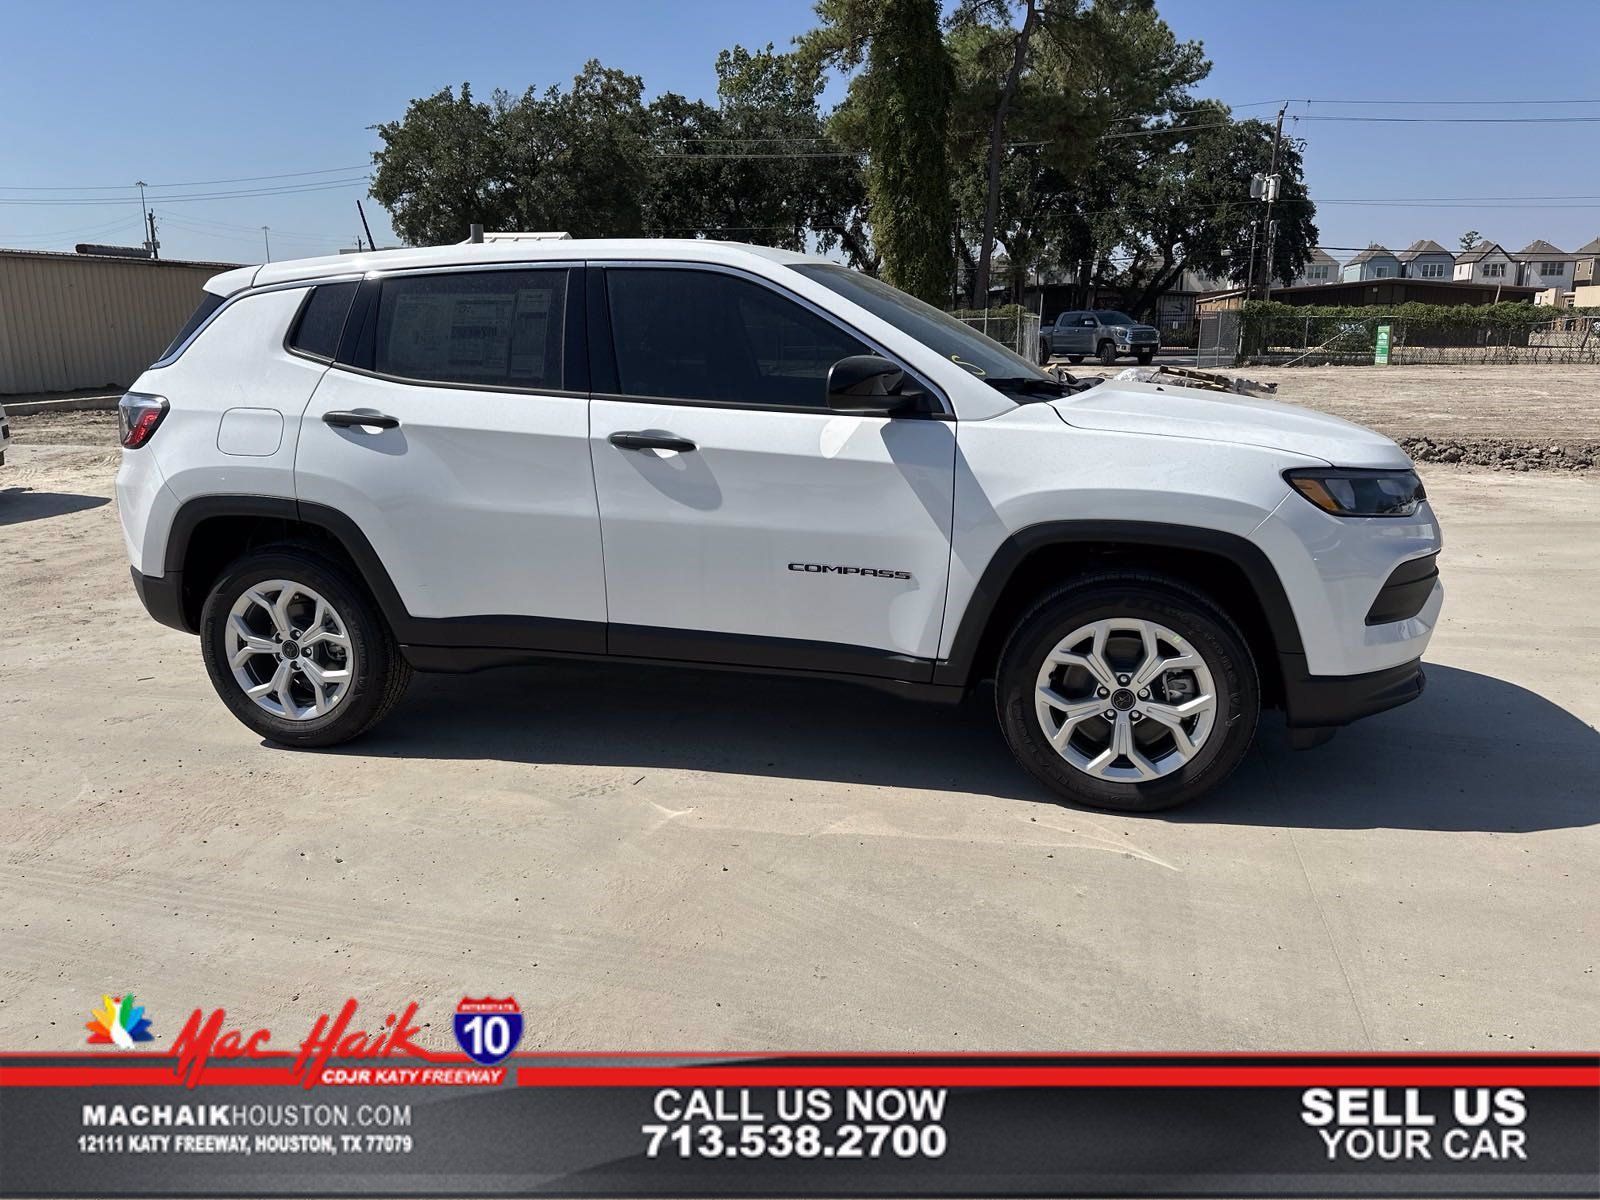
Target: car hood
{"x": 1161, "y": 410}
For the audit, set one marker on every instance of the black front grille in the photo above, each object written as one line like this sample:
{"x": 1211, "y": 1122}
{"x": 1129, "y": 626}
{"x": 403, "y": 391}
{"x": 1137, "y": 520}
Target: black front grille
{"x": 1405, "y": 591}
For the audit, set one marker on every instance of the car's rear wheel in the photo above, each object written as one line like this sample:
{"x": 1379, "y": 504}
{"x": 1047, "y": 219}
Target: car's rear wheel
{"x": 1129, "y": 692}
{"x": 297, "y": 649}
{"x": 1106, "y": 353}
{"x": 1044, "y": 352}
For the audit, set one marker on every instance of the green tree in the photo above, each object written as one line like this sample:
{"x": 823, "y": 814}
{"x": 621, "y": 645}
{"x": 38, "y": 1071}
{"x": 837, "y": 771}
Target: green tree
{"x": 897, "y": 111}
{"x": 1058, "y": 103}
{"x": 1193, "y": 212}
{"x": 440, "y": 167}
{"x": 759, "y": 166}
{"x": 1468, "y": 240}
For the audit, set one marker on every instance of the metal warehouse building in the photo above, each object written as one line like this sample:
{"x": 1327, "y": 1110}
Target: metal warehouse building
{"x": 70, "y": 322}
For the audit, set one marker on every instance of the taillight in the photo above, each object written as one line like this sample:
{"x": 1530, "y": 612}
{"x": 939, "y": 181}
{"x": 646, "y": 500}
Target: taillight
{"x": 137, "y": 418}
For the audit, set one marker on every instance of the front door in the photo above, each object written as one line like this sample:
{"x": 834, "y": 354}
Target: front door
{"x": 742, "y": 521}
{"x": 472, "y": 480}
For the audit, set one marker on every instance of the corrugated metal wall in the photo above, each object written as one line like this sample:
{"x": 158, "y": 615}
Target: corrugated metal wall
{"x": 70, "y": 322}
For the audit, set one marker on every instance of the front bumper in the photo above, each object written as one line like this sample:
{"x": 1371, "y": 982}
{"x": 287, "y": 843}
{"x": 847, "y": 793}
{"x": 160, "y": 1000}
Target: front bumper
{"x": 1329, "y": 701}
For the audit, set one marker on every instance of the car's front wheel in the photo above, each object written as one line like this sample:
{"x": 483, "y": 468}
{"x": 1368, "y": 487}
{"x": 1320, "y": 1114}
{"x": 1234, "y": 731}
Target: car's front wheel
{"x": 298, "y": 650}
{"x": 1107, "y": 353}
{"x": 1128, "y": 691}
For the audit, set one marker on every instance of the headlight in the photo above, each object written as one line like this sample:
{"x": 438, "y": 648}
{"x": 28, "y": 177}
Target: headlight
{"x": 1351, "y": 492}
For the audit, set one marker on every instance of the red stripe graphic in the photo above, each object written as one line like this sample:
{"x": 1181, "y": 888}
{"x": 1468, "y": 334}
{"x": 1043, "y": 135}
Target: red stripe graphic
{"x": 1297, "y": 1075}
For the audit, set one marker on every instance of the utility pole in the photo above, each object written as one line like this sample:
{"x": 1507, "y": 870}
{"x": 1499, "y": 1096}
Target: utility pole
{"x": 267, "y": 240}
{"x": 152, "y": 245}
{"x": 1272, "y": 197}
{"x": 144, "y": 214}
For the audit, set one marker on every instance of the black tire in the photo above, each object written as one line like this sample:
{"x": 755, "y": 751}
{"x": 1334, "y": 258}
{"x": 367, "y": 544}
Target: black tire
{"x": 1145, "y": 357}
{"x": 1044, "y": 353}
{"x": 1180, "y": 609}
{"x": 1074, "y": 359}
{"x": 381, "y": 671}
{"x": 1106, "y": 352}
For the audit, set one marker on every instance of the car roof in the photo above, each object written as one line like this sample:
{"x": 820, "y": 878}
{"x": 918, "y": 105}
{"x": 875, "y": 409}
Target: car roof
{"x": 470, "y": 253}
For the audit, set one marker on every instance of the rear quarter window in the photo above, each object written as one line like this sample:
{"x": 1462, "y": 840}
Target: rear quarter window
{"x": 321, "y": 320}
{"x": 209, "y": 303}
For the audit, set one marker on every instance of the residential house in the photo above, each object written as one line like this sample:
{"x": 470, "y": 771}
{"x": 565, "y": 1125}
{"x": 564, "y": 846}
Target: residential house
{"x": 1485, "y": 263}
{"x": 1426, "y": 260}
{"x": 1375, "y": 262}
{"x": 1544, "y": 266}
{"x": 1586, "y": 268}
{"x": 1323, "y": 268}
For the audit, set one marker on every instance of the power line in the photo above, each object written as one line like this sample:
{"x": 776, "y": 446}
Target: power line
{"x": 1494, "y": 103}
{"x": 122, "y": 187}
{"x": 244, "y": 193}
{"x": 1452, "y": 120}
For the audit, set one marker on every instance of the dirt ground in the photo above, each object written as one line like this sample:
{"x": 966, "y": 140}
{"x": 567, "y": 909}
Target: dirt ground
{"x": 665, "y": 860}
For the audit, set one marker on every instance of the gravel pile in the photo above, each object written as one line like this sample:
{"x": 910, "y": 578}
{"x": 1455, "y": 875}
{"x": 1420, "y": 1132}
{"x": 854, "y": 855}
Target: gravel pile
{"x": 1505, "y": 454}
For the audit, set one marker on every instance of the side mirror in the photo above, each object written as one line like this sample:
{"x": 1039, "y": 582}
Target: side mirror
{"x": 866, "y": 385}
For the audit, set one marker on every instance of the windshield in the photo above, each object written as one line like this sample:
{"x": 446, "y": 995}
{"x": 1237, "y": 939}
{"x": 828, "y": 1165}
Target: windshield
{"x": 1112, "y": 317}
{"x": 939, "y": 331}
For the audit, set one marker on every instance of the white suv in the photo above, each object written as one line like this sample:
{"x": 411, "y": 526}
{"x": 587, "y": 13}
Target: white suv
{"x": 703, "y": 453}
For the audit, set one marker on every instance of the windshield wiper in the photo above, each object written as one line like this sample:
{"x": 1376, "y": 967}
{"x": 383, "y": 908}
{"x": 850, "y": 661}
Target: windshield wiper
{"x": 1026, "y": 385}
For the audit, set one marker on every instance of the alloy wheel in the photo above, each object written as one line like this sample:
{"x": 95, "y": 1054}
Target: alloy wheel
{"x": 289, "y": 650}
{"x": 1125, "y": 700}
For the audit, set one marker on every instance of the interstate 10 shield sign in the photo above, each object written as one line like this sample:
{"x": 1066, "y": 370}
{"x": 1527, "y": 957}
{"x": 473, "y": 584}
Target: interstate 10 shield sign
{"x": 488, "y": 1029}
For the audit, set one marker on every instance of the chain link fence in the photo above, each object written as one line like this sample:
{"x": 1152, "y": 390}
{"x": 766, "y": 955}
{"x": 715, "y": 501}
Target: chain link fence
{"x": 1323, "y": 341}
{"x": 1013, "y": 327}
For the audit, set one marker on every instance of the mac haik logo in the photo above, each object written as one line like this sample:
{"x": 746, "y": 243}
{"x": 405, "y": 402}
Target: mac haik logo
{"x": 120, "y": 1023}
{"x": 488, "y": 1029}
{"x": 207, "y": 1037}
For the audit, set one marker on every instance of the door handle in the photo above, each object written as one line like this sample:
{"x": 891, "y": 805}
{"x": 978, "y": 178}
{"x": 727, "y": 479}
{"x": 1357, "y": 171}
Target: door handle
{"x": 344, "y": 420}
{"x": 651, "y": 441}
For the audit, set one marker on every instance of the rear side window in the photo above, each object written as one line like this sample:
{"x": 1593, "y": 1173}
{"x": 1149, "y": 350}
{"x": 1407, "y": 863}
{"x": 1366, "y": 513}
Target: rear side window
{"x": 713, "y": 337}
{"x": 473, "y": 328}
{"x": 321, "y": 320}
{"x": 209, "y": 303}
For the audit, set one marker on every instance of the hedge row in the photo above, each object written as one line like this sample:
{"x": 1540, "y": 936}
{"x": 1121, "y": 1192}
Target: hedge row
{"x": 1259, "y": 315}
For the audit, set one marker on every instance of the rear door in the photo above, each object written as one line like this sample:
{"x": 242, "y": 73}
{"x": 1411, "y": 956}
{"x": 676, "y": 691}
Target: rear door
{"x": 472, "y": 480}
{"x": 742, "y": 521}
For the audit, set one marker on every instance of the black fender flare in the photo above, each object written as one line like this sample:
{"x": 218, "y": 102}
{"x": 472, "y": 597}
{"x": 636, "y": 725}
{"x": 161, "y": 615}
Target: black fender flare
{"x": 960, "y": 666}
{"x": 344, "y": 531}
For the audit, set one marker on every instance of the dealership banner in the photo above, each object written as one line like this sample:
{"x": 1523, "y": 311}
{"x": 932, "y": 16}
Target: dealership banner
{"x": 353, "y": 1111}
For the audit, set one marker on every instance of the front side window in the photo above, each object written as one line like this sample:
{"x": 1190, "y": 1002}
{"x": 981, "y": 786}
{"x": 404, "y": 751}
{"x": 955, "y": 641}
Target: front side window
{"x": 1432, "y": 271}
{"x": 473, "y": 328}
{"x": 1494, "y": 270}
{"x": 719, "y": 339}
{"x": 940, "y": 332}
{"x": 1553, "y": 268}
{"x": 321, "y": 320}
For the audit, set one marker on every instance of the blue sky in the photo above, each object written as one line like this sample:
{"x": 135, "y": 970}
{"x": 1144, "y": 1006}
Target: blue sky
{"x": 94, "y": 96}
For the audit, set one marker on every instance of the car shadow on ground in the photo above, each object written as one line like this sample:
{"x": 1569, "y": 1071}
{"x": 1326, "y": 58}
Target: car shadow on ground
{"x": 1475, "y": 753}
{"x": 19, "y": 504}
